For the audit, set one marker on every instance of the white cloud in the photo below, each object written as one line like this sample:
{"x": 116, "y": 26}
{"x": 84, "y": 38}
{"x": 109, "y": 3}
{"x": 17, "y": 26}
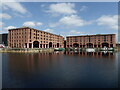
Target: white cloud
{"x": 32, "y": 23}
{"x": 9, "y": 27}
{"x": 1, "y": 24}
{"x": 39, "y": 23}
{"x": 49, "y": 30}
{"x": 83, "y": 8}
{"x": 73, "y": 20}
{"x": 4, "y": 7}
{"x": 15, "y": 6}
{"x": 76, "y": 32}
{"x": 29, "y": 23}
{"x": 111, "y": 21}
{"x": 62, "y": 8}
{"x": 53, "y": 24}
{"x": 73, "y": 33}
{"x": 5, "y": 16}
{"x": 18, "y": 15}
{"x": 43, "y": 5}
{"x": 5, "y": 29}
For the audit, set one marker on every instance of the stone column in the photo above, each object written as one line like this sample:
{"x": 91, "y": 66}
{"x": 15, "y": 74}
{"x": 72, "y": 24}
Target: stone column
{"x": 109, "y": 46}
{"x": 27, "y": 45}
{"x": 23, "y": 45}
{"x": 39, "y": 46}
{"x": 114, "y": 45}
{"x": 48, "y": 46}
{"x": 42, "y": 46}
{"x": 32, "y": 45}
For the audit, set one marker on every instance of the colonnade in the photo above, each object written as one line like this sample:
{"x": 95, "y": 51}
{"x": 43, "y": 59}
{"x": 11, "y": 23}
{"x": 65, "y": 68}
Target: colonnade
{"x": 31, "y": 45}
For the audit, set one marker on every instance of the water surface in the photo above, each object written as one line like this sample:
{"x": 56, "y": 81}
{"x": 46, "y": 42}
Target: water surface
{"x": 60, "y": 70}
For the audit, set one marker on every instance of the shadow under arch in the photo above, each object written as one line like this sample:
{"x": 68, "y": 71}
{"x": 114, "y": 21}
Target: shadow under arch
{"x": 89, "y": 45}
{"x": 75, "y": 45}
{"x": 50, "y": 44}
{"x": 35, "y": 44}
{"x": 105, "y": 45}
{"x": 58, "y": 45}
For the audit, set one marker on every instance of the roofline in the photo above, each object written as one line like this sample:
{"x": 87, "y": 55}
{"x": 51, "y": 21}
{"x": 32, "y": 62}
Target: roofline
{"x": 34, "y": 29}
{"x": 91, "y": 35}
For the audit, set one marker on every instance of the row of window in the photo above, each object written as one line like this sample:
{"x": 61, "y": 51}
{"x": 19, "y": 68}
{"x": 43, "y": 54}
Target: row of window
{"x": 36, "y": 32}
{"x": 18, "y": 37}
{"x": 25, "y": 41}
{"x": 17, "y": 40}
{"x": 87, "y": 40}
{"x": 24, "y": 30}
{"x": 17, "y": 33}
{"x": 30, "y": 37}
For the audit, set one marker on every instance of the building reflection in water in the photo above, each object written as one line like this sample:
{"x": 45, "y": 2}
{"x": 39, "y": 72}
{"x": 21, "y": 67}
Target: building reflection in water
{"x": 23, "y": 68}
{"x": 103, "y": 54}
{"x": 27, "y": 63}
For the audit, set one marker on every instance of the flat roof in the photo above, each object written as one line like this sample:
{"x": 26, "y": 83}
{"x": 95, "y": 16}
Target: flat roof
{"x": 91, "y": 35}
{"x": 34, "y": 29}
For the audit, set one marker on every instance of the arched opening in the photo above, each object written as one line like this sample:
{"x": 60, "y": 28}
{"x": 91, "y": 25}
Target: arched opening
{"x": 83, "y": 46}
{"x": 89, "y": 45}
{"x": 70, "y": 45}
{"x": 50, "y": 44}
{"x": 40, "y": 45}
{"x": 111, "y": 45}
{"x": 80, "y": 46}
{"x": 95, "y": 45}
{"x": 30, "y": 45}
{"x": 64, "y": 44}
{"x": 99, "y": 45}
{"x": 57, "y": 45}
{"x": 75, "y": 45}
{"x": 105, "y": 45}
{"x": 35, "y": 44}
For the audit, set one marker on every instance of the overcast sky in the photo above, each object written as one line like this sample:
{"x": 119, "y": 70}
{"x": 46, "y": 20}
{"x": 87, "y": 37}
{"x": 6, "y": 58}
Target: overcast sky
{"x": 61, "y": 18}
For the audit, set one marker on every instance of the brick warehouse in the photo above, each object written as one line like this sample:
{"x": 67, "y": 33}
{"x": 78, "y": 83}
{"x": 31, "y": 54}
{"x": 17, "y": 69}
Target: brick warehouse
{"x": 91, "y": 41}
{"x": 26, "y": 37}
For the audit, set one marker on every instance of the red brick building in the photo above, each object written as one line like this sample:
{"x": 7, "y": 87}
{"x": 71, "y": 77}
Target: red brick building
{"x": 91, "y": 41}
{"x": 26, "y": 37}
